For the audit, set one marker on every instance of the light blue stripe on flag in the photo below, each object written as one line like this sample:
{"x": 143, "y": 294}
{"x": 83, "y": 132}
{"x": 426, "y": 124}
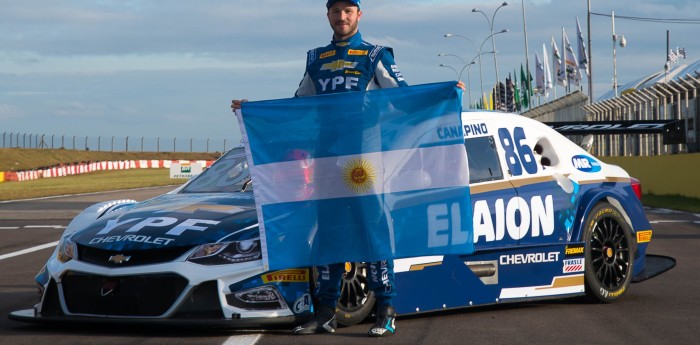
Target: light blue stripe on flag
{"x": 359, "y": 176}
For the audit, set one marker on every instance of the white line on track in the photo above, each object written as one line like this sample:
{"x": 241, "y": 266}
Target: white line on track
{"x": 28, "y": 250}
{"x": 247, "y": 339}
{"x": 669, "y": 221}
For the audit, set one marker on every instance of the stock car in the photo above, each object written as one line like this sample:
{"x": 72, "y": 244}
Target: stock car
{"x": 549, "y": 221}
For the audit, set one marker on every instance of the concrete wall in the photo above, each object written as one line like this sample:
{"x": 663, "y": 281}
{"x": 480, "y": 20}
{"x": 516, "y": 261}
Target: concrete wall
{"x": 666, "y": 174}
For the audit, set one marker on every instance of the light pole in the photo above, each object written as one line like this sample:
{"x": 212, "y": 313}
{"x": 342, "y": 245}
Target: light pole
{"x": 493, "y": 40}
{"x": 479, "y": 53}
{"x": 459, "y": 75}
{"x": 623, "y": 43}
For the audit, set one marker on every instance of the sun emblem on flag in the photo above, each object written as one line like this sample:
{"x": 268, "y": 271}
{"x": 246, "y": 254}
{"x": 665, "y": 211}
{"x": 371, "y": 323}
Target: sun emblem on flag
{"x": 359, "y": 175}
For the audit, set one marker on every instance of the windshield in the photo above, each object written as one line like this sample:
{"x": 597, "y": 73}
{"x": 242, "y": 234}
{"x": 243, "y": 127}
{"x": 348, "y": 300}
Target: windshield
{"x": 227, "y": 175}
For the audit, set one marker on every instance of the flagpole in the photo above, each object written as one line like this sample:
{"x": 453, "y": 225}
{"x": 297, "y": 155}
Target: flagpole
{"x": 554, "y": 68}
{"x": 614, "y": 54}
{"x": 590, "y": 58}
{"x": 563, "y": 56}
{"x": 527, "y": 53}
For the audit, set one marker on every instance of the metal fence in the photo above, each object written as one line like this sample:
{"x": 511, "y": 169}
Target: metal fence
{"x": 115, "y": 144}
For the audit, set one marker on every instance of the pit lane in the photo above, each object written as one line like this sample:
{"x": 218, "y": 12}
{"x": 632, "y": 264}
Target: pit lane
{"x": 661, "y": 310}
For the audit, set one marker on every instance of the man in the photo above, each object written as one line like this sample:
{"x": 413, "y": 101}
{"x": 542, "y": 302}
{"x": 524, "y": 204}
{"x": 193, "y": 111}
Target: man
{"x": 349, "y": 64}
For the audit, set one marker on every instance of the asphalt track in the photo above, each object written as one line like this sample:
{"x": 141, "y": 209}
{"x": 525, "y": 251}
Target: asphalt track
{"x": 663, "y": 310}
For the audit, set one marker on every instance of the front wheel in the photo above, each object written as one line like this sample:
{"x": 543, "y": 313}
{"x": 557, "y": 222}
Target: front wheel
{"x": 608, "y": 253}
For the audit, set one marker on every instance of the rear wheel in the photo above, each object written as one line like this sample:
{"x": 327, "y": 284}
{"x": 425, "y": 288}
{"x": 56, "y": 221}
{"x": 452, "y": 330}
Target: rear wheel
{"x": 608, "y": 254}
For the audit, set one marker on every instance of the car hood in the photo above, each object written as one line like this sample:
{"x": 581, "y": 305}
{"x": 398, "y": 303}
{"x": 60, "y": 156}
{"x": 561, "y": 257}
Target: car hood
{"x": 173, "y": 220}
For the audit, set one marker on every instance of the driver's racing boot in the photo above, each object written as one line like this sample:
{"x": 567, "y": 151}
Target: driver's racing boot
{"x": 323, "y": 322}
{"x": 385, "y": 324}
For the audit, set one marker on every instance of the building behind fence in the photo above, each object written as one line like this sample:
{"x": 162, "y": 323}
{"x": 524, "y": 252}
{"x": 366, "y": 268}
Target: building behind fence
{"x": 113, "y": 143}
{"x": 671, "y": 95}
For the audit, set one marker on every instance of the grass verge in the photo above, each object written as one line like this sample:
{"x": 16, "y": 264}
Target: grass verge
{"x": 674, "y": 202}
{"x": 99, "y": 181}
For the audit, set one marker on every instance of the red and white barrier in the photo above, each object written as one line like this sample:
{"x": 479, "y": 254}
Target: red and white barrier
{"x": 84, "y": 168}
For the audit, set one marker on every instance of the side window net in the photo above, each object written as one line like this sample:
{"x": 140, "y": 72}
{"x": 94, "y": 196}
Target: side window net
{"x": 483, "y": 160}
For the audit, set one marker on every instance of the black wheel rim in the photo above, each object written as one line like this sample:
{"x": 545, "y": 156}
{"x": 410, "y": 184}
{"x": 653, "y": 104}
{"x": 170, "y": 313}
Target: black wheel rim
{"x": 610, "y": 253}
{"x": 354, "y": 291}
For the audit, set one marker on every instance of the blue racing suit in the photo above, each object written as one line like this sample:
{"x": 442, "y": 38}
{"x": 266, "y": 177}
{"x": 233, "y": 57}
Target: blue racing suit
{"x": 352, "y": 65}
{"x": 344, "y": 66}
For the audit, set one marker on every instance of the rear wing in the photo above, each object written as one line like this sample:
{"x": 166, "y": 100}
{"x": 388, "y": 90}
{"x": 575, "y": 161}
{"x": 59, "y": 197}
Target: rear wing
{"x": 672, "y": 131}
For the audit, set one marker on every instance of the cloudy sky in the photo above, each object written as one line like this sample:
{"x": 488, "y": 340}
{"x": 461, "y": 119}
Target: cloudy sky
{"x": 169, "y": 68}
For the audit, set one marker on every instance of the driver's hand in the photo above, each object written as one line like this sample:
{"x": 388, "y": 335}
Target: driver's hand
{"x": 236, "y": 104}
{"x": 460, "y": 84}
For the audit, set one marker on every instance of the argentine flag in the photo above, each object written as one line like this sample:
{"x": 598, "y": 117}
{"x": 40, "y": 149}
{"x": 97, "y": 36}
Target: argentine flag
{"x": 359, "y": 176}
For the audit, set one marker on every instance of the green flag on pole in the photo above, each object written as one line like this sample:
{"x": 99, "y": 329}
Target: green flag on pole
{"x": 525, "y": 87}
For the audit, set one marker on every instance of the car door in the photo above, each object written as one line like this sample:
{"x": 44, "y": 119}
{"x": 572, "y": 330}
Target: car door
{"x": 539, "y": 214}
{"x": 489, "y": 186}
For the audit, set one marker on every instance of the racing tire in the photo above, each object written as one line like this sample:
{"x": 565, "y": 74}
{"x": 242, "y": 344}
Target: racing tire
{"x": 609, "y": 253}
{"x": 356, "y": 299}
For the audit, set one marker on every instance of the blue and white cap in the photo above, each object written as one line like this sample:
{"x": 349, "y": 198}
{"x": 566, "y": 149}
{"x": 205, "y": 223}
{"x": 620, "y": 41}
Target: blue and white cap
{"x": 331, "y": 2}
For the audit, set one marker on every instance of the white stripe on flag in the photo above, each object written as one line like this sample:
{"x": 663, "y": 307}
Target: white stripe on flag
{"x": 375, "y": 173}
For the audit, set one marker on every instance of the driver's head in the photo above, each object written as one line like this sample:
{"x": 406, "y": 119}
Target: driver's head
{"x": 344, "y": 17}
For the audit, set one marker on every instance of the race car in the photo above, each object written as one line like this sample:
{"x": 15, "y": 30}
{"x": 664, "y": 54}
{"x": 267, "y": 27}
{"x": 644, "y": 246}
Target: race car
{"x": 549, "y": 221}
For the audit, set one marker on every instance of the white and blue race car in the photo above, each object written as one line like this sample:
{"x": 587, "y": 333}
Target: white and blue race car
{"x": 550, "y": 221}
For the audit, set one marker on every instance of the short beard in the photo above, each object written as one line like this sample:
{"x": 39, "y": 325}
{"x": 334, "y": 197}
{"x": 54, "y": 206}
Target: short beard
{"x": 353, "y": 29}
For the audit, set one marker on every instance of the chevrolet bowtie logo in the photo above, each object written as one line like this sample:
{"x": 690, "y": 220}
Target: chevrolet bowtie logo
{"x": 119, "y": 258}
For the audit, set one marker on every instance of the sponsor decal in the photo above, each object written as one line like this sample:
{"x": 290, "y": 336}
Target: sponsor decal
{"x": 445, "y": 226}
{"x": 574, "y": 250}
{"x": 357, "y": 52}
{"x": 375, "y": 52}
{"x": 530, "y": 258}
{"x": 119, "y": 258}
{"x": 287, "y": 276}
{"x": 338, "y": 82}
{"x": 474, "y": 129}
{"x": 449, "y": 132}
{"x": 380, "y": 274}
{"x": 338, "y": 65}
{"x": 397, "y": 72}
{"x": 585, "y": 163}
{"x": 302, "y": 304}
{"x": 644, "y": 236}
{"x": 327, "y": 54}
{"x": 607, "y": 293}
{"x": 465, "y": 131}
{"x": 312, "y": 56}
{"x": 536, "y": 218}
{"x": 174, "y": 226}
{"x": 353, "y": 72}
{"x": 613, "y": 127}
{"x": 161, "y": 241}
{"x": 573, "y": 265}
{"x": 160, "y": 222}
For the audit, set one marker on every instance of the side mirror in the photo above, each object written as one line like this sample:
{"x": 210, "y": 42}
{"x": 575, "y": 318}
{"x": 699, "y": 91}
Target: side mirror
{"x": 587, "y": 143}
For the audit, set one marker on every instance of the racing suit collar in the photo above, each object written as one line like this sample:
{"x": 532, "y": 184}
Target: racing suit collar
{"x": 353, "y": 40}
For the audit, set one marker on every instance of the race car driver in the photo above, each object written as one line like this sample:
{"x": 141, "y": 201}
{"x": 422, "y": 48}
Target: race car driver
{"x": 349, "y": 64}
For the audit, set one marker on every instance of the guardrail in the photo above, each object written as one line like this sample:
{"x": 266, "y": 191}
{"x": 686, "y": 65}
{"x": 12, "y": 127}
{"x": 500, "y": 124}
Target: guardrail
{"x": 114, "y": 143}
